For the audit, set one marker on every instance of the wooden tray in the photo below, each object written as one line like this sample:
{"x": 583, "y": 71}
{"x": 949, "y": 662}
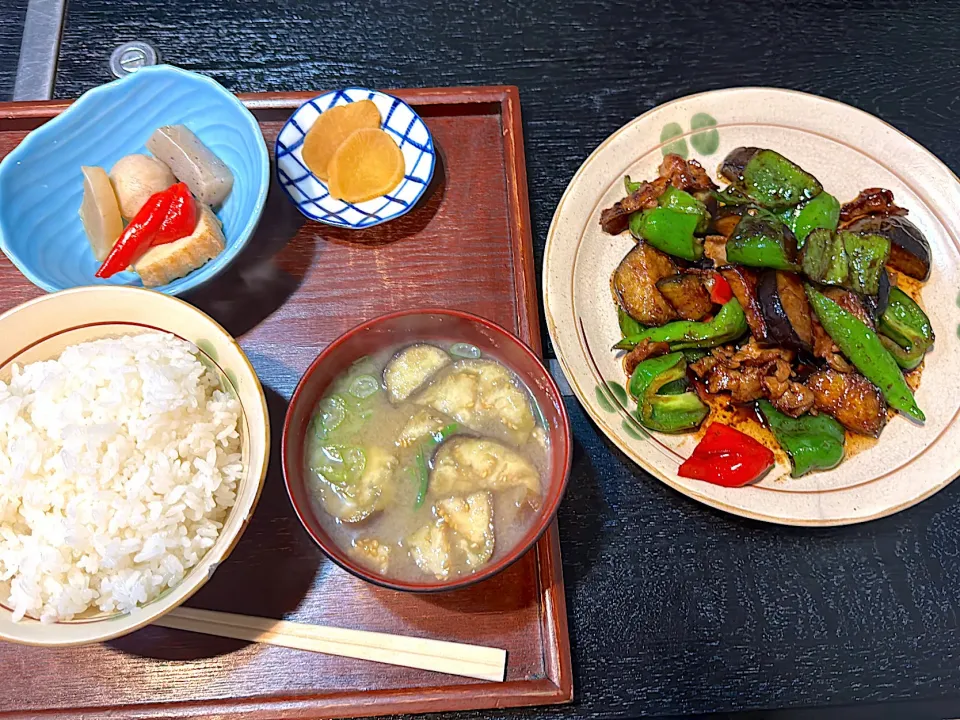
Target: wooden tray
{"x": 466, "y": 246}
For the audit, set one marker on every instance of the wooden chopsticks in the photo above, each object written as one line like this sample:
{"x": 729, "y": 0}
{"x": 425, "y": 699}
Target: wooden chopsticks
{"x": 475, "y": 661}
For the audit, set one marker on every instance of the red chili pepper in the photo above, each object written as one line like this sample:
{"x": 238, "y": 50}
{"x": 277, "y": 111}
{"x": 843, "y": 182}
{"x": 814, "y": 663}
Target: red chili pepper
{"x": 727, "y": 457}
{"x": 137, "y": 236}
{"x": 720, "y": 293}
{"x": 181, "y": 218}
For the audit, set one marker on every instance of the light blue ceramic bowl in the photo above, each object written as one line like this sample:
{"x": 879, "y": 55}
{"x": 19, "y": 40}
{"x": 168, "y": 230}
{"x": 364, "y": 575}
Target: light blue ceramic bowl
{"x": 311, "y": 195}
{"x": 41, "y": 185}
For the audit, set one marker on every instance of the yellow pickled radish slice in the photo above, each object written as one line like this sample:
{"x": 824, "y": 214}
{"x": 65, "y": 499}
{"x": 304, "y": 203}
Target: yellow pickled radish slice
{"x": 367, "y": 165}
{"x": 100, "y": 212}
{"x": 332, "y": 128}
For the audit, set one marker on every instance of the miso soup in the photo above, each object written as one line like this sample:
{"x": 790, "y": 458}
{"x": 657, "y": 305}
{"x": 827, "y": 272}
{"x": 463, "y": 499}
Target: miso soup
{"x": 427, "y": 462}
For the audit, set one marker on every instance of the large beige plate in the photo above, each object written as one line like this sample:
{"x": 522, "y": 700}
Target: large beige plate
{"x": 847, "y": 150}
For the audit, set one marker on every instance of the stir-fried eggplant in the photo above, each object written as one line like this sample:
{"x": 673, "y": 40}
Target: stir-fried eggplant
{"x": 786, "y": 312}
{"x": 909, "y": 249}
{"x": 726, "y": 219}
{"x": 851, "y": 399}
{"x": 762, "y": 242}
{"x": 634, "y": 285}
{"x": 686, "y": 293}
{"x": 768, "y": 178}
{"x": 735, "y": 163}
{"x": 776, "y": 255}
{"x": 876, "y": 305}
{"x": 743, "y": 283}
{"x": 845, "y": 258}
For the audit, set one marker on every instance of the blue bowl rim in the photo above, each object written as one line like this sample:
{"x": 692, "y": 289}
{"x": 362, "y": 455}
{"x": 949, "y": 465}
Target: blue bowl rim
{"x": 401, "y": 213}
{"x": 229, "y": 253}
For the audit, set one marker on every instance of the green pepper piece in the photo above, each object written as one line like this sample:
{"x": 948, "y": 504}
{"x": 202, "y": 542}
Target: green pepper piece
{"x": 668, "y": 230}
{"x": 421, "y": 470}
{"x": 628, "y": 326}
{"x": 908, "y": 359}
{"x": 813, "y": 442}
{"x": 665, "y": 413}
{"x": 728, "y": 324}
{"x": 630, "y": 185}
{"x": 824, "y": 258}
{"x": 866, "y": 253}
{"x": 775, "y": 182}
{"x": 677, "y": 387}
{"x": 905, "y": 330}
{"x": 762, "y": 242}
{"x": 864, "y": 349}
{"x": 905, "y": 322}
{"x": 847, "y": 259}
{"x": 731, "y": 195}
{"x": 673, "y": 199}
{"x": 823, "y": 211}
{"x": 694, "y": 354}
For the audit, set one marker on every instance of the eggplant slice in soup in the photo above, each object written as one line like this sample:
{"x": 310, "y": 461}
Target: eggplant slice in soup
{"x": 479, "y": 394}
{"x": 423, "y": 423}
{"x": 430, "y": 549}
{"x": 471, "y": 519}
{"x": 465, "y": 465}
{"x": 373, "y": 553}
{"x": 411, "y": 368}
{"x": 354, "y": 495}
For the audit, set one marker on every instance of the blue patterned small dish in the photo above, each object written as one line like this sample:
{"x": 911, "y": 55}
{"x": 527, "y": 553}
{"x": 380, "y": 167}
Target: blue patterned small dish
{"x": 310, "y": 193}
{"x": 41, "y": 184}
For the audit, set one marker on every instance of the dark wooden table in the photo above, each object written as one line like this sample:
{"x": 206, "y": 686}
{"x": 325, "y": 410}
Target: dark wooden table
{"x": 675, "y": 609}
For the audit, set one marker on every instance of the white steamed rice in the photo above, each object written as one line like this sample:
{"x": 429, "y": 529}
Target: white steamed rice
{"x": 119, "y": 462}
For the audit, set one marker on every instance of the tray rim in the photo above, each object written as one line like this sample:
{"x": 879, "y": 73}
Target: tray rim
{"x": 557, "y": 685}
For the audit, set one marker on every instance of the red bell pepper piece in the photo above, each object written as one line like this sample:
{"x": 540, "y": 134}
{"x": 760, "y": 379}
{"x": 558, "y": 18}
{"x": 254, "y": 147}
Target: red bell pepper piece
{"x": 137, "y": 237}
{"x": 720, "y": 293}
{"x": 727, "y": 457}
{"x": 181, "y": 218}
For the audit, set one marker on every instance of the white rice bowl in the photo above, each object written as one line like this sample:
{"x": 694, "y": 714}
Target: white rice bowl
{"x": 119, "y": 463}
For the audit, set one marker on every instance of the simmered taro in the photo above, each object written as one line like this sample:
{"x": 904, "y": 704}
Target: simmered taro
{"x": 426, "y": 465}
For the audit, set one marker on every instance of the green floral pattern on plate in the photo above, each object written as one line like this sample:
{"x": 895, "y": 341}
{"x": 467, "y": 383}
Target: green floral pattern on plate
{"x": 603, "y": 399}
{"x": 677, "y": 147}
{"x": 705, "y": 138}
{"x": 612, "y": 394}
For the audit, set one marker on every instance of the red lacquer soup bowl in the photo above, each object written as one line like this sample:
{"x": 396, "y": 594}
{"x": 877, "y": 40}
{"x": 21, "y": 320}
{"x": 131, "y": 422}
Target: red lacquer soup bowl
{"x": 397, "y": 329}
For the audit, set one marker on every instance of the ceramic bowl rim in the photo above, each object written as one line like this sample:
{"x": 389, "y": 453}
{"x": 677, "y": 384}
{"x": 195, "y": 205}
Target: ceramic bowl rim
{"x": 558, "y": 476}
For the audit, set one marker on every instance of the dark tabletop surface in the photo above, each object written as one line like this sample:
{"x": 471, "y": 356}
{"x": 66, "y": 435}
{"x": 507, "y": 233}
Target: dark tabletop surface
{"x": 675, "y": 609}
